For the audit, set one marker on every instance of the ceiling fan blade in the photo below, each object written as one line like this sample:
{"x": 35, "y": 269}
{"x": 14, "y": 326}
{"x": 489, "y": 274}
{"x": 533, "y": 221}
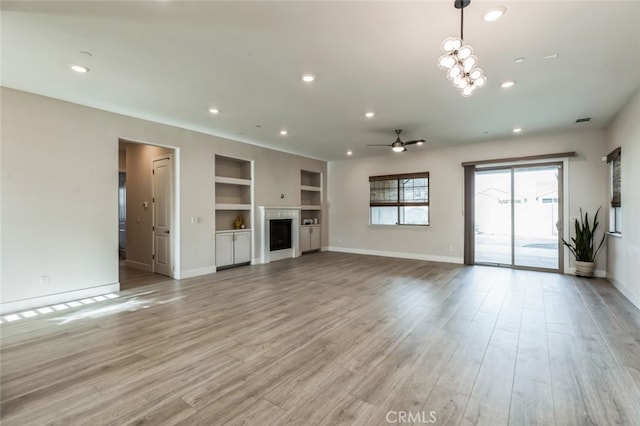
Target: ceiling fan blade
{"x": 379, "y": 145}
{"x": 414, "y": 142}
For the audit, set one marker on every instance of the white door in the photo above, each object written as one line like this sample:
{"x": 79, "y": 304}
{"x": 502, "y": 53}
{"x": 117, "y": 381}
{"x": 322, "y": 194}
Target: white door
{"x": 224, "y": 249}
{"x": 315, "y": 238}
{"x": 242, "y": 247}
{"x": 162, "y": 179}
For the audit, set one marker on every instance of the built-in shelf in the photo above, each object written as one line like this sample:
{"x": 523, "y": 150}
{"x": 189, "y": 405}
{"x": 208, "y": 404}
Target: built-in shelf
{"x": 233, "y": 181}
{"x": 309, "y": 178}
{"x": 233, "y": 201}
{"x": 224, "y": 231}
{"x": 222, "y": 206}
{"x": 310, "y": 210}
{"x": 310, "y": 188}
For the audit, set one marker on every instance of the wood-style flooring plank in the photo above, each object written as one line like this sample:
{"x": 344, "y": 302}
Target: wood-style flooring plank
{"x": 330, "y": 338}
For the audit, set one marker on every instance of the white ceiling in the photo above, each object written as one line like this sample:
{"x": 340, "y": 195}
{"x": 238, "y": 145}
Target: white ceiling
{"x": 170, "y": 61}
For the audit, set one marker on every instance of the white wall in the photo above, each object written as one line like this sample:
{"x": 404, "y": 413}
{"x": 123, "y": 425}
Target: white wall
{"x": 444, "y": 239}
{"x": 623, "y": 254}
{"x": 59, "y": 171}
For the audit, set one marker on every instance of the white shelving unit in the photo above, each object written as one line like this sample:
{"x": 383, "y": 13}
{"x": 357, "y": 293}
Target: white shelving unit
{"x": 233, "y": 198}
{"x": 310, "y": 211}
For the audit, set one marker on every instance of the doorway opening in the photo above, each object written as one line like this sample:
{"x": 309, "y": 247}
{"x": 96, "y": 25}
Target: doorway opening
{"x": 517, "y": 221}
{"x": 147, "y": 214}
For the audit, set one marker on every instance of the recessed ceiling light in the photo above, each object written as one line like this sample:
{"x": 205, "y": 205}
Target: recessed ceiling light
{"x": 517, "y": 130}
{"x": 507, "y": 84}
{"x": 552, "y": 56}
{"x": 214, "y": 110}
{"x": 518, "y": 60}
{"x": 349, "y": 152}
{"x": 283, "y": 132}
{"x": 494, "y": 13}
{"x": 370, "y": 114}
{"x": 308, "y": 78}
{"x": 419, "y": 143}
{"x": 79, "y": 68}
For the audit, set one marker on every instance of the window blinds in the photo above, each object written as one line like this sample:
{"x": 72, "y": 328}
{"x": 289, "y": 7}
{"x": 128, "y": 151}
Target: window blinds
{"x": 616, "y": 179}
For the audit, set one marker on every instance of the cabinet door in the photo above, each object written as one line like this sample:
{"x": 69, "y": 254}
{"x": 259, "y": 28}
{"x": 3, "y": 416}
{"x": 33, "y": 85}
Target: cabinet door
{"x": 305, "y": 238}
{"x": 224, "y": 249}
{"x": 315, "y": 231}
{"x": 242, "y": 247}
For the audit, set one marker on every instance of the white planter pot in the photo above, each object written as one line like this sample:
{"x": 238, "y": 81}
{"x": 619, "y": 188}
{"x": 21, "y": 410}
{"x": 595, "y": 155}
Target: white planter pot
{"x": 584, "y": 269}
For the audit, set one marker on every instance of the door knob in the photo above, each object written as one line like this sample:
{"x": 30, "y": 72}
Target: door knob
{"x": 166, "y": 232}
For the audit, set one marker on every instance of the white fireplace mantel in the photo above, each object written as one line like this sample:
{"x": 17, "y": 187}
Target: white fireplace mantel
{"x": 268, "y": 213}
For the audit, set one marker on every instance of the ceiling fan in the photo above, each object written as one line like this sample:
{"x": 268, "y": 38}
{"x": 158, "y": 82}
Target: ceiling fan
{"x": 400, "y": 146}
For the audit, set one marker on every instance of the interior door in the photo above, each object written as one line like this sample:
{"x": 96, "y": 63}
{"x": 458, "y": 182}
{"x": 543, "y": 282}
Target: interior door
{"x": 162, "y": 215}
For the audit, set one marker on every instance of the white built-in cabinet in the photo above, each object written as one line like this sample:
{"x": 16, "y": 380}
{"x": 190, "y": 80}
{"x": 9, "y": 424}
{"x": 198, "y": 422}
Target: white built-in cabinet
{"x": 310, "y": 238}
{"x": 233, "y": 198}
{"x": 233, "y": 248}
{"x": 310, "y": 211}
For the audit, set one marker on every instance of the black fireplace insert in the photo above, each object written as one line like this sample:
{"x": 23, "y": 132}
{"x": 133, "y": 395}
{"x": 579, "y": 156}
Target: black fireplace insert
{"x": 279, "y": 234}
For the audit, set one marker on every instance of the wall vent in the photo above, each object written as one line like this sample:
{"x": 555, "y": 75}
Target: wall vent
{"x": 583, "y": 120}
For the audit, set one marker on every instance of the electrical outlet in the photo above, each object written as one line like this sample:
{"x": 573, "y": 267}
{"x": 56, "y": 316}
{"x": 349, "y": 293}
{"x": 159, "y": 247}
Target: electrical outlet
{"x": 44, "y": 280}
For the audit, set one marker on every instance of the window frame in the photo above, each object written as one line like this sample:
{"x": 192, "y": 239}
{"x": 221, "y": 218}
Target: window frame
{"x": 398, "y": 203}
{"x": 614, "y": 161}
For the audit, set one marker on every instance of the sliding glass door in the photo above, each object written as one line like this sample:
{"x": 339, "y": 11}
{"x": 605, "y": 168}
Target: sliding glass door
{"x": 493, "y": 227}
{"x": 517, "y": 216}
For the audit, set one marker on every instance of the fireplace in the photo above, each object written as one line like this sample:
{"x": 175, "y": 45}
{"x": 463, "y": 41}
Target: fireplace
{"x": 279, "y": 234}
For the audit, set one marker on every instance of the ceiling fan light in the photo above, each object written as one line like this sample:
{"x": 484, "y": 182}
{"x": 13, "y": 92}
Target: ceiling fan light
{"x": 398, "y": 148}
{"x": 464, "y": 52}
{"x": 446, "y": 62}
{"x": 450, "y": 44}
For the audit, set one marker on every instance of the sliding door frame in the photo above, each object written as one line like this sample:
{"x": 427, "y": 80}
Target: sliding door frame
{"x": 560, "y": 164}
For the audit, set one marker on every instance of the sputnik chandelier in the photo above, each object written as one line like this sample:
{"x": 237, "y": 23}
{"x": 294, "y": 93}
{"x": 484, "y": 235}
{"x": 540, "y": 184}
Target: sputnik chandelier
{"x": 459, "y": 61}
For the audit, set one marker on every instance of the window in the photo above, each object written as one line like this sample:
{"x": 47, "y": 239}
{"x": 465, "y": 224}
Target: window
{"x": 399, "y": 199}
{"x": 615, "y": 180}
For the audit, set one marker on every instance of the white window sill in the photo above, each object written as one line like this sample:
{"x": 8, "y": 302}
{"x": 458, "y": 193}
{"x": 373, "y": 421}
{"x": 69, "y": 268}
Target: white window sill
{"x": 395, "y": 227}
{"x": 615, "y": 234}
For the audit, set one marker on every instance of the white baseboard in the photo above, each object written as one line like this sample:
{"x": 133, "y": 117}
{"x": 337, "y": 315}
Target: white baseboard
{"x": 52, "y": 299}
{"x": 146, "y": 267}
{"x": 414, "y": 256}
{"x": 626, "y": 291}
{"x": 195, "y": 272}
{"x": 598, "y": 273}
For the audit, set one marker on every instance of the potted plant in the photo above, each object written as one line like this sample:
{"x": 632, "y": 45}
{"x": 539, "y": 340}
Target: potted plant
{"x": 583, "y": 245}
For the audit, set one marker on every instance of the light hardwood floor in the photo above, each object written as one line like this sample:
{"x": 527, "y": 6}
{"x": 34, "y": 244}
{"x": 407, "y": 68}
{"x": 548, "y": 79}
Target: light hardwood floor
{"x": 329, "y": 339}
